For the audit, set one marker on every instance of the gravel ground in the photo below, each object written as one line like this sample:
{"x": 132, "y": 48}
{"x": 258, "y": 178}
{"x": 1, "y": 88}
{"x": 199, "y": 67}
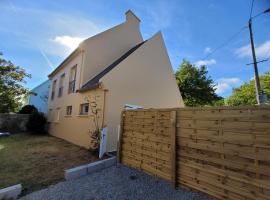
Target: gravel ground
{"x": 116, "y": 183}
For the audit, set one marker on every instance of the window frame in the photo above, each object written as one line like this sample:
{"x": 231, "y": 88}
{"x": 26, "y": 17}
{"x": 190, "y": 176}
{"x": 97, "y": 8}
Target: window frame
{"x": 82, "y": 107}
{"x": 61, "y": 85}
{"x": 57, "y": 115}
{"x": 53, "y": 89}
{"x": 72, "y": 80}
{"x": 69, "y": 112}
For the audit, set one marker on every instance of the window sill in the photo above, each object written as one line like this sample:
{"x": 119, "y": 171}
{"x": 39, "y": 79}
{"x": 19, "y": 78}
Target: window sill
{"x": 82, "y": 115}
{"x": 67, "y": 115}
{"x": 56, "y": 122}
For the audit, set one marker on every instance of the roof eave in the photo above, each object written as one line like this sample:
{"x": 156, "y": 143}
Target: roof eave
{"x": 97, "y": 85}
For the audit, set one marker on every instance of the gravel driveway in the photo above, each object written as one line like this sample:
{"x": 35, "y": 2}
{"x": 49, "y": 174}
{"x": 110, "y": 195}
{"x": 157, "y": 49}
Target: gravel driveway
{"x": 116, "y": 183}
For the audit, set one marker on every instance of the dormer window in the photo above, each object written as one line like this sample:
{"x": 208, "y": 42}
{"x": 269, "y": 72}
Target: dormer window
{"x": 61, "y": 85}
{"x": 72, "y": 79}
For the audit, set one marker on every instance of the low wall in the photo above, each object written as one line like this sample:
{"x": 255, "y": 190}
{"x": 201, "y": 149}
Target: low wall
{"x": 13, "y": 123}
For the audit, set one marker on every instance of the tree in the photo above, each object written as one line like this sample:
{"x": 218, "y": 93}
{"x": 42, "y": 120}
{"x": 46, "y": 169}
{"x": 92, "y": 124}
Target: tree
{"x": 11, "y": 90}
{"x": 197, "y": 88}
{"x": 246, "y": 93}
{"x": 28, "y": 109}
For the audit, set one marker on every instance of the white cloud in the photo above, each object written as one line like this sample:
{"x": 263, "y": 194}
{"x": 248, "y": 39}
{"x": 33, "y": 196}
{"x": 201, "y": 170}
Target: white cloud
{"x": 68, "y": 41}
{"x": 50, "y": 30}
{"x": 262, "y": 51}
{"x": 205, "y": 62}
{"x": 207, "y": 50}
{"x": 225, "y": 84}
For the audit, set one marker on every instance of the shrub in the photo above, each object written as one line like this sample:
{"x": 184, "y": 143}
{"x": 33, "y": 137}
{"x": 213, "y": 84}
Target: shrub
{"x": 28, "y": 109}
{"x": 36, "y": 123}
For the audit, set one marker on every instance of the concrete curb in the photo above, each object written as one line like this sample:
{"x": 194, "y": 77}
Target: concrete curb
{"x": 77, "y": 172}
{"x": 11, "y": 192}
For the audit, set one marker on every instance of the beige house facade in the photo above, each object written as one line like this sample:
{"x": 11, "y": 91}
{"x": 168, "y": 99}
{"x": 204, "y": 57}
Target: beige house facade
{"x": 105, "y": 73}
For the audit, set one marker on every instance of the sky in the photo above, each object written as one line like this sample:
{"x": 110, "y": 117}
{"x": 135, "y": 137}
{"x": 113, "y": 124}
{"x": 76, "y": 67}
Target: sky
{"x": 37, "y": 35}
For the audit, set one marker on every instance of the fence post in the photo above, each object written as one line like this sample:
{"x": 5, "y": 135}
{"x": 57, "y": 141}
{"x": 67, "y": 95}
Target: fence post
{"x": 173, "y": 147}
{"x": 119, "y": 142}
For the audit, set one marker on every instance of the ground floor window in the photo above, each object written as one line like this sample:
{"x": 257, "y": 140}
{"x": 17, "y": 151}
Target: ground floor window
{"x": 84, "y": 108}
{"x": 50, "y": 115}
{"x": 57, "y": 115}
{"x": 69, "y": 110}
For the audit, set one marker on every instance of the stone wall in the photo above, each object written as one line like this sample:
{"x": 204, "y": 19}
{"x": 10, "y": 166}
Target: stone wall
{"x": 13, "y": 123}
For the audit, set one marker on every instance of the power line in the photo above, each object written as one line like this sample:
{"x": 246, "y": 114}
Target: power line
{"x": 226, "y": 42}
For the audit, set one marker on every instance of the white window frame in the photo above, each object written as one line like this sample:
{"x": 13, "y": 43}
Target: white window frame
{"x": 82, "y": 109}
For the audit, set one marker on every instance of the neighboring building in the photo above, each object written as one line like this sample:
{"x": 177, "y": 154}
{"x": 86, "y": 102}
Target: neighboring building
{"x": 39, "y": 96}
{"x": 111, "y": 69}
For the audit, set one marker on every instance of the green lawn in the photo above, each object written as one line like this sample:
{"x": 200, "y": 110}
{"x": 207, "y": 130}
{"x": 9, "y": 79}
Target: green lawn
{"x": 37, "y": 161}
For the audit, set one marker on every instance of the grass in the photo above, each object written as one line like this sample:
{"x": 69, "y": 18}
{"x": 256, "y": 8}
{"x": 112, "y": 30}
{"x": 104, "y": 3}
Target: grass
{"x": 37, "y": 161}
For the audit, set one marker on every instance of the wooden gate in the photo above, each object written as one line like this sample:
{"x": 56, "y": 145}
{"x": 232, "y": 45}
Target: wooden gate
{"x": 148, "y": 142}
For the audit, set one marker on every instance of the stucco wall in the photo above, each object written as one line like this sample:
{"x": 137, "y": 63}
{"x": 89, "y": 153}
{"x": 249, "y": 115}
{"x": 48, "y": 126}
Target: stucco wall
{"x": 146, "y": 79}
{"x": 95, "y": 54}
{"x": 101, "y": 50}
{"x": 40, "y": 97}
{"x": 73, "y": 128}
{"x": 13, "y": 123}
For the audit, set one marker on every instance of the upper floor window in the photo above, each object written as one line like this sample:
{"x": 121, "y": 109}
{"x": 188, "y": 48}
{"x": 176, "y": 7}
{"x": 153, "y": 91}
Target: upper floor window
{"x": 72, "y": 79}
{"x": 84, "y": 108}
{"x": 53, "y": 89}
{"x": 61, "y": 85}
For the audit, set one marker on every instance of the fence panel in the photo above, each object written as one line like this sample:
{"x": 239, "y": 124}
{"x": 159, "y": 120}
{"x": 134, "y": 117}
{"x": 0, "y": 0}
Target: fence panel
{"x": 225, "y": 152}
{"x": 147, "y": 143}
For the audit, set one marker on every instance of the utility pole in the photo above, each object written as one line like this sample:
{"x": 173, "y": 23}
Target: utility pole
{"x": 257, "y": 79}
{"x": 260, "y": 96}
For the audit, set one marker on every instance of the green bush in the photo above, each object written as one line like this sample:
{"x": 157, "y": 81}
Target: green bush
{"x": 36, "y": 123}
{"x": 28, "y": 109}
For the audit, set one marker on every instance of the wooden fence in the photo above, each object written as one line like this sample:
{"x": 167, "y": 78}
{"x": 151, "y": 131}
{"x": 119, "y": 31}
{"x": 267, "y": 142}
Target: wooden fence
{"x": 224, "y": 152}
{"x": 146, "y": 141}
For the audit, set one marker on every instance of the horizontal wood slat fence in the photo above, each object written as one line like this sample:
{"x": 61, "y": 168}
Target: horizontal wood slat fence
{"x": 224, "y": 152}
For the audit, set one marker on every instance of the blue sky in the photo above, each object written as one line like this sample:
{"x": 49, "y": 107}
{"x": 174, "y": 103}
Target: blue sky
{"x": 38, "y": 35}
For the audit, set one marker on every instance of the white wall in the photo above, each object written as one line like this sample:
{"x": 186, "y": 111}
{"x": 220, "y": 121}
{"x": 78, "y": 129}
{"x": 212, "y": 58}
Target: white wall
{"x": 40, "y": 98}
{"x": 103, "y": 49}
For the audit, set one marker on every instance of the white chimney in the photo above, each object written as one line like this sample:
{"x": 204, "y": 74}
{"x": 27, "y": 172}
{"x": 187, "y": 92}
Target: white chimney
{"x": 131, "y": 17}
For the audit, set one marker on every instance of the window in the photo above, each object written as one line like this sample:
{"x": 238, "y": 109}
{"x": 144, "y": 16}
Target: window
{"x": 53, "y": 89}
{"x": 84, "y": 109}
{"x": 72, "y": 79}
{"x": 69, "y": 110}
{"x": 57, "y": 115}
{"x": 61, "y": 85}
{"x": 50, "y": 115}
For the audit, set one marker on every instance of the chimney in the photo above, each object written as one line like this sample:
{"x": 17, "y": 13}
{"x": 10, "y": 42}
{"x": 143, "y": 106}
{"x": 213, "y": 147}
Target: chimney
{"x": 131, "y": 17}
